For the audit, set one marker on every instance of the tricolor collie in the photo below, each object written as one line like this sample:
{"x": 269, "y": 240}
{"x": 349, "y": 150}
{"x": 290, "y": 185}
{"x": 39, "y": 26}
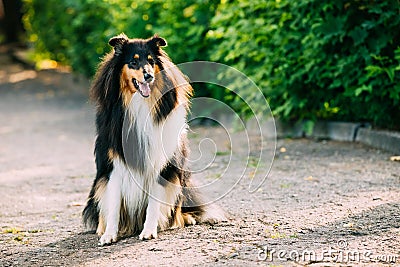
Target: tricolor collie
{"x": 142, "y": 183}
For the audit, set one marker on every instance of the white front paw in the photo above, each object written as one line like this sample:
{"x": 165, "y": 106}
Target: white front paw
{"x": 148, "y": 234}
{"x": 107, "y": 239}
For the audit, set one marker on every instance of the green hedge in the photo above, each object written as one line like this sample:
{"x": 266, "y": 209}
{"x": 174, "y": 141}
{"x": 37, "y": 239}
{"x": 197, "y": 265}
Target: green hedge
{"x": 317, "y": 59}
{"x": 313, "y": 59}
{"x": 76, "y": 32}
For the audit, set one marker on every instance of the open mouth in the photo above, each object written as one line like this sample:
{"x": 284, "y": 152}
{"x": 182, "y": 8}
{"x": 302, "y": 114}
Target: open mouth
{"x": 143, "y": 88}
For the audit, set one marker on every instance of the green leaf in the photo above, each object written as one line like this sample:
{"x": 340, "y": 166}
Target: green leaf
{"x": 308, "y": 127}
{"x": 358, "y": 35}
{"x": 390, "y": 73}
{"x": 362, "y": 89}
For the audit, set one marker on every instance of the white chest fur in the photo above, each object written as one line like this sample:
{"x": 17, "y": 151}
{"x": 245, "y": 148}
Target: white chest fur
{"x": 153, "y": 144}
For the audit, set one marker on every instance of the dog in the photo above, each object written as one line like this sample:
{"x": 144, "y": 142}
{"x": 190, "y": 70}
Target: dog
{"x": 143, "y": 183}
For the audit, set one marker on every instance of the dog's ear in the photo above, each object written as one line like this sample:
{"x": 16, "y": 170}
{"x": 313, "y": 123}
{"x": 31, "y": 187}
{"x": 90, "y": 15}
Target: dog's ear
{"x": 156, "y": 42}
{"x": 118, "y": 42}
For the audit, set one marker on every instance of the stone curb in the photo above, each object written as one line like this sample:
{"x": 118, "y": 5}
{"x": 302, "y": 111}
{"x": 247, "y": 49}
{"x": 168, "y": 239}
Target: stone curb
{"x": 386, "y": 140}
{"x": 332, "y": 130}
{"x": 344, "y": 131}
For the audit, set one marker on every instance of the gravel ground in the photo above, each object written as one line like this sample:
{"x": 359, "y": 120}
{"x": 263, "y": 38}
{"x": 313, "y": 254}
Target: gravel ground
{"x": 324, "y": 203}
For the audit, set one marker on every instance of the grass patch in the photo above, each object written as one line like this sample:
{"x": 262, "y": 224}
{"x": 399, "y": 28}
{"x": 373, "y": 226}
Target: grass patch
{"x": 255, "y": 162}
{"x": 285, "y": 185}
{"x": 213, "y": 176}
{"x": 223, "y": 153}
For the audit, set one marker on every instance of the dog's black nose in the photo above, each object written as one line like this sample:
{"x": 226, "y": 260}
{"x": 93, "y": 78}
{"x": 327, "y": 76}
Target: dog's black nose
{"x": 147, "y": 77}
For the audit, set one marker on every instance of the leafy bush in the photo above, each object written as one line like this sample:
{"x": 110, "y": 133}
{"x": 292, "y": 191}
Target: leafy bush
{"x": 185, "y": 24}
{"x": 313, "y": 59}
{"x": 317, "y": 59}
{"x": 76, "y": 32}
{"x": 79, "y": 30}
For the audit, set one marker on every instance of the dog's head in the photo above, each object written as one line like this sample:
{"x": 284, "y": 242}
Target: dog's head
{"x": 140, "y": 60}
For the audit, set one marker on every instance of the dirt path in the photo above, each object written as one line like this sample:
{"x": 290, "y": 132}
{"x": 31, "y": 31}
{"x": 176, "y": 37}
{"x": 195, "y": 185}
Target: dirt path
{"x": 324, "y": 203}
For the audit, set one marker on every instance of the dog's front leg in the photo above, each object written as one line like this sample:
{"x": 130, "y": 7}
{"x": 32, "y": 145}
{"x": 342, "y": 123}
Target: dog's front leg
{"x": 152, "y": 212}
{"x": 110, "y": 206}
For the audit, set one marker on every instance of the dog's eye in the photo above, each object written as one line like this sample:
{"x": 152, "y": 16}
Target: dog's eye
{"x": 151, "y": 61}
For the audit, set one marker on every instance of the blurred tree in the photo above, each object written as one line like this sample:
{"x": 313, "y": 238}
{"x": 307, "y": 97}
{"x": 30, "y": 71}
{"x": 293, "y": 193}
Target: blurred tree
{"x": 11, "y": 20}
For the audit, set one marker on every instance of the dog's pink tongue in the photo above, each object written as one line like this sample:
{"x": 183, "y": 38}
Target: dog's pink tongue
{"x": 145, "y": 89}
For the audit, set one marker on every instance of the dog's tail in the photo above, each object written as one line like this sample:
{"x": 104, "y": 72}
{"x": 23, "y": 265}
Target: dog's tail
{"x": 195, "y": 204}
{"x": 90, "y": 214}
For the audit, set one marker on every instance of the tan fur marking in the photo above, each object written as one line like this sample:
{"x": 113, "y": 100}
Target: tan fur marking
{"x": 179, "y": 221}
{"x": 111, "y": 155}
{"x": 101, "y": 227}
{"x": 100, "y": 188}
{"x": 127, "y": 87}
{"x": 149, "y": 57}
{"x": 136, "y": 56}
{"x": 173, "y": 191}
{"x": 188, "y": 219}
{"x": 156, "y": 69}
